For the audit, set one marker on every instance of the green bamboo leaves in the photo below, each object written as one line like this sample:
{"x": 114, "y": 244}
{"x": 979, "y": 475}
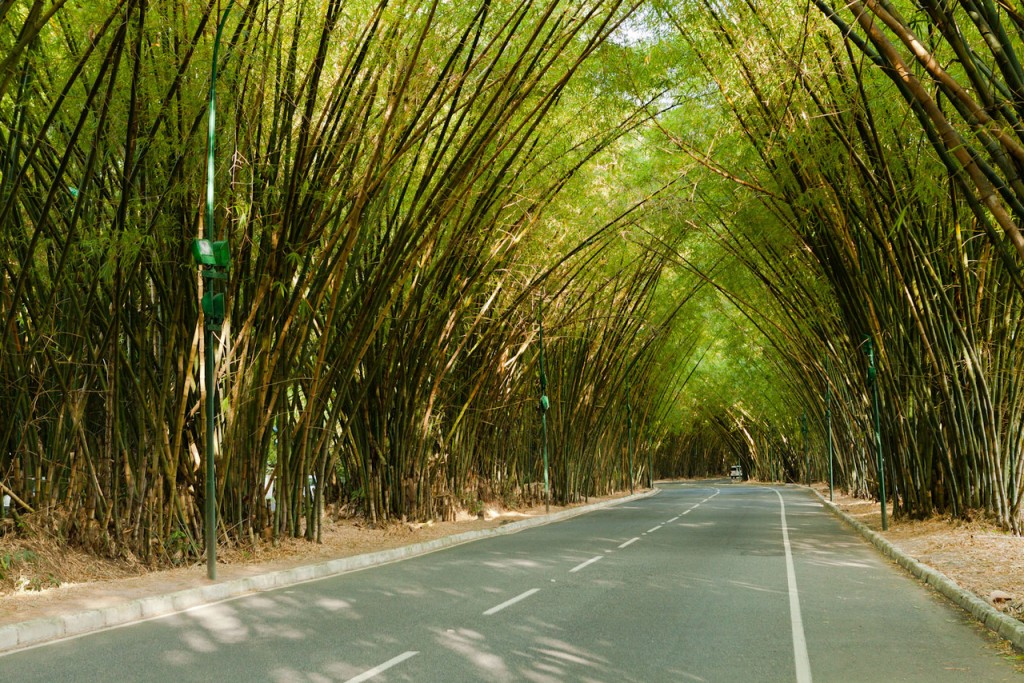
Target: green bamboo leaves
{"x": 892, "y": 204}
{"x": 382, "y": 174}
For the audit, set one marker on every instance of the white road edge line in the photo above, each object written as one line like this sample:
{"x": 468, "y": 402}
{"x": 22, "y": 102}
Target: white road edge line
{"x": 508, "y": 603}
{"x": 801, "y": 660}
{"x": 651, "y": 531}
{"x": 395, "y": 661}
{"x": 630, "y": 541}
{"x": 584, "y": 564}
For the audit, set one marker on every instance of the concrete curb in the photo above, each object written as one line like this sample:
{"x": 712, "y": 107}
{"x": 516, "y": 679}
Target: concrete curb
{"x": 994, "y": 620}
{"x": 37, "y": 631}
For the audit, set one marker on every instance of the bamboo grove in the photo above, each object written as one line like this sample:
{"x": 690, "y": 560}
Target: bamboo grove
{"x": 383, "y": 173}
{"x": 884, "y": 145}
{"x": 713, "y": 209}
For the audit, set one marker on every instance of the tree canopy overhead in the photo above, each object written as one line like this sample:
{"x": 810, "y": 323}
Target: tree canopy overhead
{"x": 712, "y": 208}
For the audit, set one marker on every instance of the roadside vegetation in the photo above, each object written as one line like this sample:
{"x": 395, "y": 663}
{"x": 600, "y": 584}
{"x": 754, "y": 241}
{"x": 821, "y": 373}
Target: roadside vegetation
{"x": 701, "y": 216}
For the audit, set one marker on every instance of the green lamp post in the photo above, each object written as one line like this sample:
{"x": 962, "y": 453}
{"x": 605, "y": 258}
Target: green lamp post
{"x": 214, "y": 259}
{"x": 629, "y": 431}
{"x": 880, "y": 459}
{"x": 807, "y": 456}
{"x": 544, "y": 405}
{"x": 828, "y": 421}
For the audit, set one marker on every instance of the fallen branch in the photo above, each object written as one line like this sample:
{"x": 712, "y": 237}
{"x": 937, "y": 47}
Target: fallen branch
{"x": 15, "y": 498}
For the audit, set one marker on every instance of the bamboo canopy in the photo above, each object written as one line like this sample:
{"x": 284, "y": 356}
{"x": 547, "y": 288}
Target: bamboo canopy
{"x": 715, "y": 205}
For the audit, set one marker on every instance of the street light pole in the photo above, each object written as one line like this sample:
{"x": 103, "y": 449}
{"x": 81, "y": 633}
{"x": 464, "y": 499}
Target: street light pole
{"x": 629, "y": 431}
{"x": 545, "y": 403}
{"x": 828, "y": 421}
{"x": 880, "y": 460}
{"x": 213, "y": 256}
{"x": 650, "y": 467}
{"x": 807, "y": 457}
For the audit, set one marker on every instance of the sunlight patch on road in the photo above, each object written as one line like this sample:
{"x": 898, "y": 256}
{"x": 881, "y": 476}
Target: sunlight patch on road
{"x": 222, "y": 623}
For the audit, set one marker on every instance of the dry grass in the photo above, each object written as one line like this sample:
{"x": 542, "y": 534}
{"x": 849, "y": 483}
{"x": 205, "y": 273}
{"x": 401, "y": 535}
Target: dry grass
{"x": 35, "y": 559}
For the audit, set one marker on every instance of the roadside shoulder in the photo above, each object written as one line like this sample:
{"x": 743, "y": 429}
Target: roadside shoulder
{"x": 37, "y": 631}
{"x": 1005, "y": 626}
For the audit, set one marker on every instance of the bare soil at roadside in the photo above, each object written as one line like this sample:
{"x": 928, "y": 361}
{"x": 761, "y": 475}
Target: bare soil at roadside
{"x": 41, "y": 578}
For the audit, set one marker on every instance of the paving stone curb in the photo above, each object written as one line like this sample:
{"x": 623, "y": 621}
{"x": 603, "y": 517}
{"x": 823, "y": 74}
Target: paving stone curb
{"x": 994, "y": 620}
{"x": 37, "y": 631}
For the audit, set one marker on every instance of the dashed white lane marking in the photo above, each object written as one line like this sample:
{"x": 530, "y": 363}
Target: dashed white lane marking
{"x": 695, "y": 506}
{"x": 632, "y": 540}
{"x": 717, "y": 491}
{"x": 651, "y": 531}
{"x": 395, "y": 661}
{"x": 508, "y": 603}
{"x": 584, "y": 564}
{"x": 802, "y": 661}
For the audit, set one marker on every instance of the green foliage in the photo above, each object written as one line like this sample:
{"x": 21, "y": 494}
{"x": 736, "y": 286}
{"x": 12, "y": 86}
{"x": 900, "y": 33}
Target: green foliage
{"x": 11, "y": 563}
{"x": 403, "y": 191}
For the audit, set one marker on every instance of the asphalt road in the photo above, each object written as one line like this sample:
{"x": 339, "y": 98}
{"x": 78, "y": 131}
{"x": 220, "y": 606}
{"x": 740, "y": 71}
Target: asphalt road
{"x": 721, "y": 582}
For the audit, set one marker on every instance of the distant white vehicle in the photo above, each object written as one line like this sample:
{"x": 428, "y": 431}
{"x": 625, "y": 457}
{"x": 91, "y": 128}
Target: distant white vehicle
{"x": 736, "y": 473}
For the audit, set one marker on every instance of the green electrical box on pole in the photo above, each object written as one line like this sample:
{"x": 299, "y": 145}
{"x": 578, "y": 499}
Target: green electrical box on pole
{"x": 880, "y": 459}
{"x": 545, "y": 404}
{"x": 214, "y": 258}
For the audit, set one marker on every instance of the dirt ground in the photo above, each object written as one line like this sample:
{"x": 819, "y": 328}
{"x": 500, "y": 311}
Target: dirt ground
{"x": 39, "y": 579}
{"x": 976, "y": 554}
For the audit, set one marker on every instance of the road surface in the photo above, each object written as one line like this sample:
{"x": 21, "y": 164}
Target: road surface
{"x": 709, "y": 582}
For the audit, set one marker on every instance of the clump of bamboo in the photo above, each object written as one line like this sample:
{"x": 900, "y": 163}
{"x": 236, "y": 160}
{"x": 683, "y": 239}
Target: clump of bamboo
{"x": 892, "y": 227}
{"x": 381, "y": 171}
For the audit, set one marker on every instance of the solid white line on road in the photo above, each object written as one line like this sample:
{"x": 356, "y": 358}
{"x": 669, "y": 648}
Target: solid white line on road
{"x": 584, "y": 564}
{"x": 367, "y": 675}
{"x": 507, "y": 603}
{"x": 802, "y": 661}
{"x": 651, "y": 531}
{"x": 632, "y": 540}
